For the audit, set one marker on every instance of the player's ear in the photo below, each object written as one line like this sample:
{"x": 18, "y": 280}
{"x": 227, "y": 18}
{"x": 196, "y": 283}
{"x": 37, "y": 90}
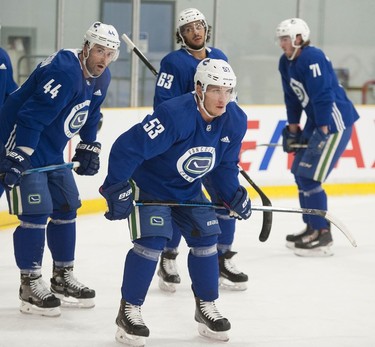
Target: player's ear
{"x": 198, "y": 90}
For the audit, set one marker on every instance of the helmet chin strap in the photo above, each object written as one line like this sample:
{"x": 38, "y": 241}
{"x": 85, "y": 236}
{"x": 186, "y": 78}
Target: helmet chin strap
{"x": 294, "y": 53}
{"x": 192, "y": 49}
{"x": 195, "y": 50}
{"x": 85, "y": 66}
{"x": 201, "y": 104}
{"x": 296, "y": 48}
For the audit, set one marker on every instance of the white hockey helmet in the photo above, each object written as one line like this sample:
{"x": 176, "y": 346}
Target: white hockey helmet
{"x": 190, "y": 15}
{"x": 103, "y": 34}
{"x": 293, "y": 27}
{"x": 215, "y": 72}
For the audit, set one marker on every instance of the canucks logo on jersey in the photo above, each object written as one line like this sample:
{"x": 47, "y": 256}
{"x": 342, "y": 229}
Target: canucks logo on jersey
{"x": 76, "y": 119}
{"x": 196, "y": 162}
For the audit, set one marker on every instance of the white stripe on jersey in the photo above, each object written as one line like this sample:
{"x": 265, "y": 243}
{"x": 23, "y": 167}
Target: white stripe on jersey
{"x": 134, "y": 221}
{"x": 337, "y": 118}
{"x": 11, "y": 139}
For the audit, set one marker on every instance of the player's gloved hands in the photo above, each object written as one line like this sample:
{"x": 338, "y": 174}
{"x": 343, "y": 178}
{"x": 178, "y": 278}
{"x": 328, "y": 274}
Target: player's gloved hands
{"x": 316, "y": 143}
{"x": 119, "y": 200}
{"x": 240, "y": 206}
{"x": 290, "y": 139}
{"x": 87, "y": 154}
{"x": 12, "y": 165}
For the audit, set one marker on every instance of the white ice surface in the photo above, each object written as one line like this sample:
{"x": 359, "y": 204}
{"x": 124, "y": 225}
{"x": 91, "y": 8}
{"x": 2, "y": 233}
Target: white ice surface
{"x": 290, "y": 301}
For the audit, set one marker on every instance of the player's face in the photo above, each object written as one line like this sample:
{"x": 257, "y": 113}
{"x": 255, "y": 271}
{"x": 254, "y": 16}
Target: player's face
{"x": 216, "y": 99}
{"x": 99, "y": 58}
{"x": 194, "y": 34}
{"x": 286, "y": 45}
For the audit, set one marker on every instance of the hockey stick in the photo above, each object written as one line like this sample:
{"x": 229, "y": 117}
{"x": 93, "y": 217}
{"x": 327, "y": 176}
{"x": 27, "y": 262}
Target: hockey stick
{"x": 296, "y": 145}
{"x": 267, "y": 215}
{"x": 141, "y": 56}
{"x": 315, "y": 212}
{"x": 70, "y": 165}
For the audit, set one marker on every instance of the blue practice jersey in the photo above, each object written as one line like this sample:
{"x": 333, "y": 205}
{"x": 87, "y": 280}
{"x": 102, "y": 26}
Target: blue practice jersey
{"x": 7, "y": 84}
{"x": 310, "y": 84}
{"x": 55, "y": 103}
{"x": 169, "y": 151}
{"x": 176, "y": 74}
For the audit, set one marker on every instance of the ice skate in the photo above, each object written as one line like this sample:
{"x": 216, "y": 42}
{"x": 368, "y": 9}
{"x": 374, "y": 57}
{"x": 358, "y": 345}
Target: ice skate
{"x": 316, "y": 244}
{"x": 69, "y": 290}
{"x": 168, "y": 273}
{"x": 291, "y": 239}
{"x": 211, "y": 323}
{"x": 131, "y": 330}
{"x": 36, "y": 298}
{"x": 230, "y": 277}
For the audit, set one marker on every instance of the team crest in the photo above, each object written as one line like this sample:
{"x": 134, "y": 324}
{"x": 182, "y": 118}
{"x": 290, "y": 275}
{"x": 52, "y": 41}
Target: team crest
{"x": 196, "y": 162}
{"x": 76, "y": 119}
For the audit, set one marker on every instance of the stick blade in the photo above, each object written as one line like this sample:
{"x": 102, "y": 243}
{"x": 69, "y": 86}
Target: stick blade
{"x": 342, "y": 228}
{"x": 266, "y": 226}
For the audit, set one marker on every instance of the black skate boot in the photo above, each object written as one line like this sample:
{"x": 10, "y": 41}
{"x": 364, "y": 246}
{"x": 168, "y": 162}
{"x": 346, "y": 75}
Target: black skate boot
{"x": 316, "y": 244}
{"x": 291, "y": 239}
{"x": 167, "y": 272}
{"x": 211, "y": 323}
{"x": 36, "y": 298}
{"x": 71, "y": 292}
{"x": 131, "y": 328}
{"x": 231, "y": 278}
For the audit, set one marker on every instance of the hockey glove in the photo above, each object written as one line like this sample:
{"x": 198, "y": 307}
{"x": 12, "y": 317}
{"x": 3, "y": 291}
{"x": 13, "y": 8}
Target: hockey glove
{"x": 87, "y": 154}
{"x": 119, "y": 200}
{"x": 316, "y": 143}
{"x": 240, "y": 206}
{"x": 12, "y": 165}
{"x": 290, "y": 139}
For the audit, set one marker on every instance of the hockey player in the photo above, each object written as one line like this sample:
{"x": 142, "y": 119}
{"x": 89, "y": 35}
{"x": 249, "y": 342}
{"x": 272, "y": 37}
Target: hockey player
{"x": 164, "y": 158}
{"x": 61, "y": 98}
{"x": 310, "y": 84}
{"x": 176, "y": 77}
{"x": 7, "y": 85}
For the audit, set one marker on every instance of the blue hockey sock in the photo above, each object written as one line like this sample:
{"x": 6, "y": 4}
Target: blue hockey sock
{"x": 140, "y": 265}
{"x": 225, "y": 239}
{"x": 204, "y": 272}
{"x": 61, "y": 237}
{"x": 138, "y": 274}
{"x": 314, "y": 197}
{"x": 29, "y": 246}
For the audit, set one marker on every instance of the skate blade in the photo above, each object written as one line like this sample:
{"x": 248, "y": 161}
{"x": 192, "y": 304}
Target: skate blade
{"x": 167, "y": 286}
{"x": 28, "y": 308}
{"x": 213, "y": 335}
{"x": 226, "y": 284}
{"x": 130, "y": 340}
{"x": 316, "y": 252}
{"x": 70, "y": 302}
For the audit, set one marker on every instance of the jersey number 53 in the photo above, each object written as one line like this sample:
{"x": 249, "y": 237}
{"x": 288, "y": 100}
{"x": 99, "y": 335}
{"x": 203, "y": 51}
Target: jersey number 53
{"x": 153, "y": 128}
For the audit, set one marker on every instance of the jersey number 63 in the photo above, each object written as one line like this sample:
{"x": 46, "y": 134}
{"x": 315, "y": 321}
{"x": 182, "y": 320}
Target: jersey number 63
{"x": 165, "y": 80}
